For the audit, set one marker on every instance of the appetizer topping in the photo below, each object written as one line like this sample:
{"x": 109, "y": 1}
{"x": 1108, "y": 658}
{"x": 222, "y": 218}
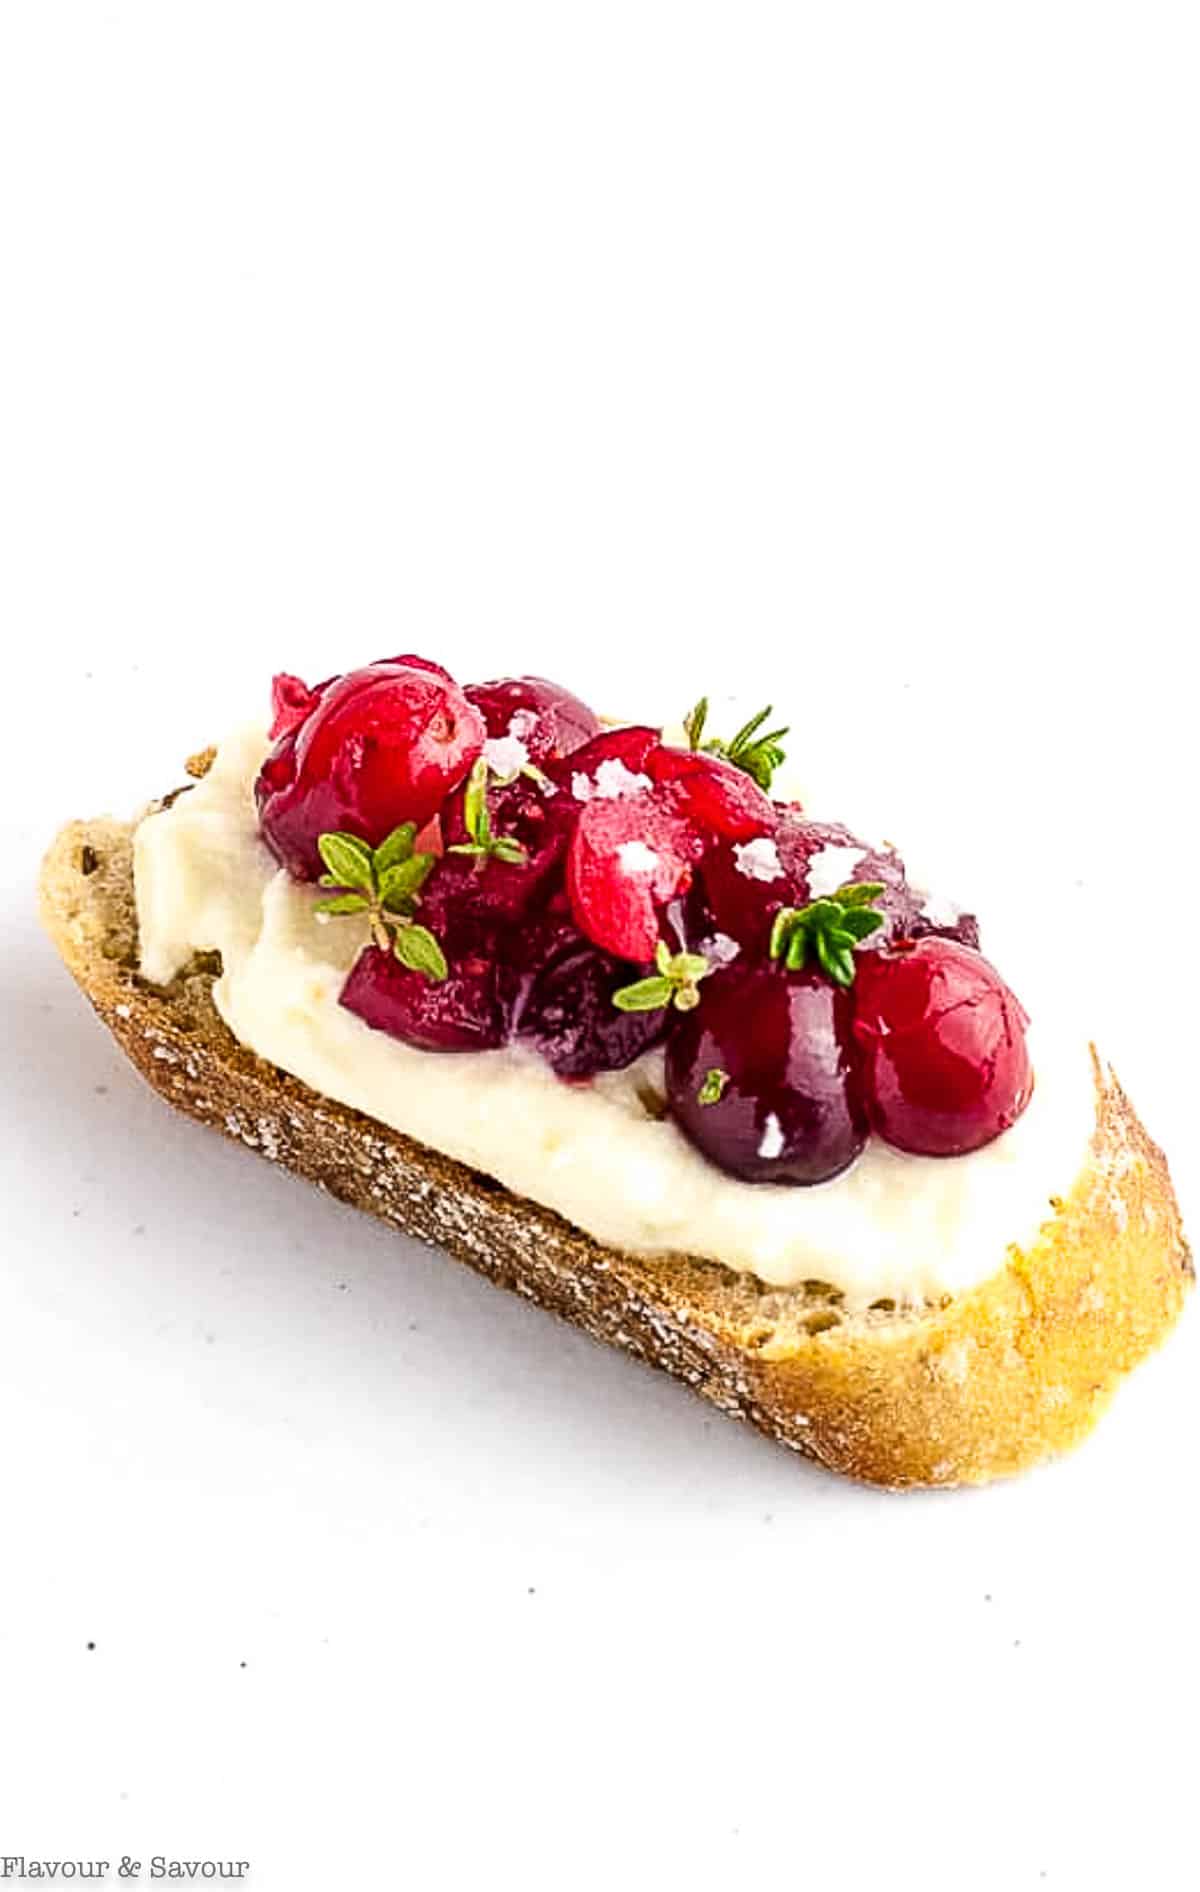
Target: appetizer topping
{"x": 528, "y": 877}
{"x": 941, "y": 1041}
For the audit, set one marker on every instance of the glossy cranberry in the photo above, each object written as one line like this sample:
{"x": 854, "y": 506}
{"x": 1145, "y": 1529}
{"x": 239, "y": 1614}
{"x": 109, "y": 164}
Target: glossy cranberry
{"x": 719, "y": 798}
{"x": 744, "y": 895}
{"x": 291, "y": 701}
{"x": 942, "y": 1044}
{"x": 505, "y": 891}
{"x": 791, "y": 1110}
{"x": 558, "y": 989}
{"x": 627, "y": 859}
{"x": 546, "y": 718}
{"x": 380, "y": 746}
{"x": 582, "y": 773}
{"x": 460, "y": 1013}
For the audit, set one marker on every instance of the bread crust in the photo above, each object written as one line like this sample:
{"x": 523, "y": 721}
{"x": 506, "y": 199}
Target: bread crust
{"x": 975, "y": 1389}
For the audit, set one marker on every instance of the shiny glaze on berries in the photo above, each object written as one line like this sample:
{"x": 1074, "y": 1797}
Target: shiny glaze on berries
{"x": 549, "y": 720}
{"x": 460, "y": 1013}
{"x": 721, "y": 799}
{"x": 628, "y": 858}
{"x": 941, "y": 1040}
{"x": 791, "y": 1110}
{"x": 379, "y": 746}
{"x": 558, "y": 990}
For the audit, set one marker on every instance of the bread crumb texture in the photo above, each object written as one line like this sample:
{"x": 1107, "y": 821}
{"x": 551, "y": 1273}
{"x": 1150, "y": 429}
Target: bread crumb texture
{"x": 973, "y": 1389}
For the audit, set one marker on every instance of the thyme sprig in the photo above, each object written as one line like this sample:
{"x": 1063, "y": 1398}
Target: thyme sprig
{"x": 385, "y": 883}
{"x": 828, "y": 930}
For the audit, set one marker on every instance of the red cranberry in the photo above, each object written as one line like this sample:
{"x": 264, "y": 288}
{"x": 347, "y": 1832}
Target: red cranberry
{"x": 942, "y": 1043}
{"x": 629, "y": 747}
{"x": 559, "y": 989}
{"x": 460, "y": 1013}
{"x": 381, "y": 746}
{"x": 627, "y": 859}
{"x": 743, "y": 895}
{"x": 545, "y": 717}
{"x": 788, "y": 1108}
{"x": 715, "y": 794}
{"x": 506, "y": 890}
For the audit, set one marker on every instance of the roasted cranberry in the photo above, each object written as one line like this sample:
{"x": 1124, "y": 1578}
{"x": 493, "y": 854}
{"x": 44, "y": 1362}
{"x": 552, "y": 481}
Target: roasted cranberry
{"x": 558, "y": 989}
{"x": 772, "y": 1053}
{"x": 521, "y": 810}
{"x": 746, "y": 883}
{"x": 611, "y": 765}
{"x": 462, "y": 1012}
{"x": 942, "y": 1043}
{"x": 627, "y": 859}
{"x": 380, "y": 746}
{"x": 719, "y": 798}
{"x": 547, "y": 719}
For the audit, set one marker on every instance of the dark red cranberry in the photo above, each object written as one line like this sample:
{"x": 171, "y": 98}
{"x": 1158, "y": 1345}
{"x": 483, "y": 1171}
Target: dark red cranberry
{"x": 627, "y": 859}
{"x": 630, "y": 746}
{"x": 460, "y": 1013}
{"x": 942, "y": 1044}
{"x": 381, "y": 746}
{"x": 545, "y": 717}
{"x": 521, "y": 810}
{"x": 776, "y": 1050}
{"x": 744, "y": 896}
{"x": 713, "y": 793}
{"x": 559, "y": 989}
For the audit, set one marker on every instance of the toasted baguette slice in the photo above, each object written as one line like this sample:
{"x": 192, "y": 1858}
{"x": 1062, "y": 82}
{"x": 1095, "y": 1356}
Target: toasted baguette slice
{"x": 967, "y": 1391}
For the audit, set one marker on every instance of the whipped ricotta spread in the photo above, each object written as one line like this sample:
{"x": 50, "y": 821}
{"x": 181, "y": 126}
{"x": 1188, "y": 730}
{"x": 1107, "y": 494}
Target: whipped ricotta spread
{"x": 908, "y": 1228}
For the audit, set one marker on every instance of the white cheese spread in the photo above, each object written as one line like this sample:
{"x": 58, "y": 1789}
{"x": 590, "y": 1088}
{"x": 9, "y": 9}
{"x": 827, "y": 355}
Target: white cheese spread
{"x": 909, "y": 1228}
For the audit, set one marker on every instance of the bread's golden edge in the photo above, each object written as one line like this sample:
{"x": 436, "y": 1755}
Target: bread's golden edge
{"x": 997, "y": 1379}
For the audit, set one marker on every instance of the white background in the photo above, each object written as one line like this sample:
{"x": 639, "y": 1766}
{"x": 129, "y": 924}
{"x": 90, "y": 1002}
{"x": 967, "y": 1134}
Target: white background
{"x": 846, "y": 354}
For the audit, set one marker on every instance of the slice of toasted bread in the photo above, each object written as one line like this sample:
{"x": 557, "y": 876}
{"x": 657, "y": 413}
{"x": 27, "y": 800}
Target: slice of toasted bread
{"x": 970, "y": 1390}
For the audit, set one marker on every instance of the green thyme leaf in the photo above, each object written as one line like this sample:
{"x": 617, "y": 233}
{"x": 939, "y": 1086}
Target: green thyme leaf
{"x": 646, "y": 995}
{"x": 348, "y": 860}
{"x": 827, "y": 930}
{"x": 416, "y": 948}
{"x": 483, "y": 844}
{"x": 398, "y": 847}
{"x": 475, "y": 808}
{"x": 400, "y": 884}
{"x": 344, "y": 903}
{"x": 676, "y": 983}
{"x": 859, "y": 923}
{"x": 756, "y": 754}
{"x": 859, "y": 893}
{"x": 694, "y": 721}
{"x": 713, "y": 1088}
